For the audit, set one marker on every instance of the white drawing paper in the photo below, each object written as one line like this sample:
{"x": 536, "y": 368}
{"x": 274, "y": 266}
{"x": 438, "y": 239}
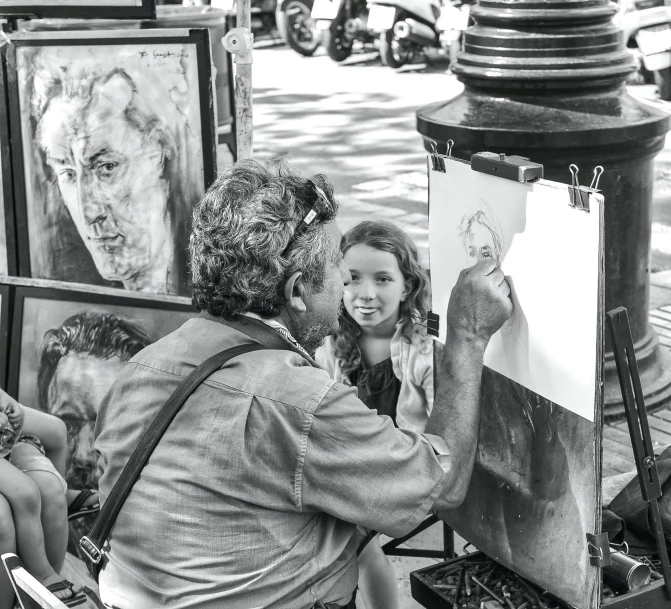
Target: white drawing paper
{"x": 550, "y": 252}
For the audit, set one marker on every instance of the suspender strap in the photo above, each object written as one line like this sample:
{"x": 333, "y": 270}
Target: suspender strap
{"x": 93, "y": 543}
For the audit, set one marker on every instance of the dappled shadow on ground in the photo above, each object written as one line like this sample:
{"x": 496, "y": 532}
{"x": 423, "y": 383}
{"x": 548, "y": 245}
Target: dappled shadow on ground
{"x": 337, "y": 131}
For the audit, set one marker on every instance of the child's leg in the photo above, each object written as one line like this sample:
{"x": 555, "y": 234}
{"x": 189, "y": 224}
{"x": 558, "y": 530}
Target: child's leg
{"x": 53, "y": 434}
{"x": 377, "y": 580}
{"x": 54, "y": 517}
{"x": 28, "y": 459}
{"x": 24, "y": 500}
{"x": 7, "y": 544}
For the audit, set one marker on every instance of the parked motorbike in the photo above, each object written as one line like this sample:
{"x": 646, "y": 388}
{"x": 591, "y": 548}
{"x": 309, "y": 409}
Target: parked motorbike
{"x": 342, "y": 22}
{"x": 647, "y": 29}
{"x": 408, "y": 27}
{"x": 296, "y": 25}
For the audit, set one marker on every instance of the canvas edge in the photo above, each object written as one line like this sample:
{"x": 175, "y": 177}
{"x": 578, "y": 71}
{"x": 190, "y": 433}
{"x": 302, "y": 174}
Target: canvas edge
{"x": 7, "y": 173}
{"x": 595, "y": 600}
{"x": 16, "y": 154}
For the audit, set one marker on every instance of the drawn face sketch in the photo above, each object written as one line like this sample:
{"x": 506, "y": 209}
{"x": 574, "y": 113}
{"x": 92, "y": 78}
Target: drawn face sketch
{"x": 480, "y": 238}
{"x": 77, "y": 388}
{"x": 108, "y": 157}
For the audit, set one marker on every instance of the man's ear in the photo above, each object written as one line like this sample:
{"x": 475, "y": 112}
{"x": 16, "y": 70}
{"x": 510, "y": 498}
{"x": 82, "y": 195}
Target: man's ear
{"x": 294, "y": 292}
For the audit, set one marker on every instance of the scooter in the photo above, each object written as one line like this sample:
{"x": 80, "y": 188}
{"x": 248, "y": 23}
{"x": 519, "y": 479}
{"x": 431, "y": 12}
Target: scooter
{"x": 647, "y": 29}
{"x": 341, "y": 23}
{"x": 408, "y": 27}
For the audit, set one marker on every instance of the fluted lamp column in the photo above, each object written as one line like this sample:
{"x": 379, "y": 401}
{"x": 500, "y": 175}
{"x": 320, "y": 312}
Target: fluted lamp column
{"x": 545, "y": 79}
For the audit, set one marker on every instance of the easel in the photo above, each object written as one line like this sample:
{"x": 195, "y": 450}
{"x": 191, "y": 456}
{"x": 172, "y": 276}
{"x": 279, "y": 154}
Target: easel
{"x": 644, "y": 456}
{"x": 657, "y": 594}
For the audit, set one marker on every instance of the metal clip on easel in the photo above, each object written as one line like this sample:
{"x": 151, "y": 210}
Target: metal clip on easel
{"x": 637, "y": 419}
{"x": 580, "y": 194}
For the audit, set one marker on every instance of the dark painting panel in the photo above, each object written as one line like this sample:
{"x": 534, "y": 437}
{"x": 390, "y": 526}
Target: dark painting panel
{"x": 115, "y": 149}
{"x": 533, "y": 498}
{"x": 84, "y": 9}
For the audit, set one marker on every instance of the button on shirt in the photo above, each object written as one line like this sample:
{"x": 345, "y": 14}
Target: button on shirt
{"x": 250, "y": 497}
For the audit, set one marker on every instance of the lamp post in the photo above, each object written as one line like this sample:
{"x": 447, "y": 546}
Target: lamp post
{"x": 545, "y": 79}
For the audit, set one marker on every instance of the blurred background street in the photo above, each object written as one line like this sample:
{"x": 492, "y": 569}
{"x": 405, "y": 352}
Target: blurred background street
{"x": 355, "y": 122}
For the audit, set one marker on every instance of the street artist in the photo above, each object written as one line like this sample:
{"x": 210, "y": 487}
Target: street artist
{"x": 252, "y": 497}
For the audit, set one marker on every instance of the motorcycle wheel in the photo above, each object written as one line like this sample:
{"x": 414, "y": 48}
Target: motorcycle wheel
{"x": 300, "y": 31}
{"x": 335, "y": 41}
{"x": 663, "y": 82}
{"x": 392, "y": 53}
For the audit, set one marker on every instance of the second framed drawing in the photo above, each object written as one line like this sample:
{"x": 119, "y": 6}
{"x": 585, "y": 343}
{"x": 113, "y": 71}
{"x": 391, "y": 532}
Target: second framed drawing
{"x": 115, "y": 144}
{"x": 67, "y": 349}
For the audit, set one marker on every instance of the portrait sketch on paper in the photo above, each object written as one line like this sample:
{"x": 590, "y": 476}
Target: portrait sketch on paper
{"x": 482, "y": 237}
{"x": 113, "y": 161}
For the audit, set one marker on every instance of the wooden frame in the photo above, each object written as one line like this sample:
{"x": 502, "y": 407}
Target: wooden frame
{"x": 6, "y": 181}
{"x": 89, "y": 40}
{"x": 91, "y": 9}
{"x": 6, "y": 300}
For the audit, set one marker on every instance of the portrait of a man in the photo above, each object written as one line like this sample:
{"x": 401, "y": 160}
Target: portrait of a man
{"x": 113, "y": 162}
{"x": 79, "y": 362}
{"x": 68, "y": 349}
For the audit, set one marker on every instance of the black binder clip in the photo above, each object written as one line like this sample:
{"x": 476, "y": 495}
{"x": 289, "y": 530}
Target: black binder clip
{"x": 432, "y": 320}
{"x": 599, "y": 550}
{"x": 438, "y": 161}
{"x": 580, "y": 194}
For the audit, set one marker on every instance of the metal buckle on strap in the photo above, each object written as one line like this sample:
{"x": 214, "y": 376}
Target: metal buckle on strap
{"x": 91, "y": 550}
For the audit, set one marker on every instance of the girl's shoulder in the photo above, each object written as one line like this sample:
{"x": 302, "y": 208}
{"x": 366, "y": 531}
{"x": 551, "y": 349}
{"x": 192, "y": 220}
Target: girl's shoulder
{"x": 417, "y": 340}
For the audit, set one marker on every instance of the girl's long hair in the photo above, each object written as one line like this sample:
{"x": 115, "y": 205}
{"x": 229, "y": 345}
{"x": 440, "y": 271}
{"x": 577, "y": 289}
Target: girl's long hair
{"x": 386, "y": 237}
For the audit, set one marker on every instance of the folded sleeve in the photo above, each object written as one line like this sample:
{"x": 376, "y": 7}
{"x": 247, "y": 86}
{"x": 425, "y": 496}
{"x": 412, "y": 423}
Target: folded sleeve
{"x": 358, "y": 467}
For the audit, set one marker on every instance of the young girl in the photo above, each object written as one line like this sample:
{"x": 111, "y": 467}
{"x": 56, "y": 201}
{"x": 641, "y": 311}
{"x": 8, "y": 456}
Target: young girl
{"x": 382, "y": 349}
{"x": 33, "y": 510}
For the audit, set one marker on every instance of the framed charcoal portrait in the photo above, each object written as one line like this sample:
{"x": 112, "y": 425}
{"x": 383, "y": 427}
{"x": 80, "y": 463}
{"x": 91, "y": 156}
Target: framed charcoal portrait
{"x": 80, "y": 9}
{"x": 67, "y": 349}
{"x": 5, "y": 312}
{"x": 115, "y": 144}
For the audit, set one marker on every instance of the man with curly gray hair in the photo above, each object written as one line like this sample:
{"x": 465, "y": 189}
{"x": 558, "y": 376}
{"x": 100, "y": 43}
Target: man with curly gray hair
{"x": 252, "y": 497}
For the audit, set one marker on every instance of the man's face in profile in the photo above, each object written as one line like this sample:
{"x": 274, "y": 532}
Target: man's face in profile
{"x": 75, "y": 392}
{"x": 480, "y": 243}
{"x": 110, "y": 176}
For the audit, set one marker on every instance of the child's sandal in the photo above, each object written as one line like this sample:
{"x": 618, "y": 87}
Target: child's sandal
{"x": 73, "y": 600}
{"x": 77, "y": 507}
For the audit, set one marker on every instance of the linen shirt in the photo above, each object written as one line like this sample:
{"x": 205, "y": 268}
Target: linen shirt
{"x": 252, "y": 496}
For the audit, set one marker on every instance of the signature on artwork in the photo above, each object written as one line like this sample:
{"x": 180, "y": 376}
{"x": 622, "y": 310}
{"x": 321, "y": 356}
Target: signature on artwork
{"x": 166, "y": 54}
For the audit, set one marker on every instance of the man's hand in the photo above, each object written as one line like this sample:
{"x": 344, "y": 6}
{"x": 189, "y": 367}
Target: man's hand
{"x": 480, "y": 302}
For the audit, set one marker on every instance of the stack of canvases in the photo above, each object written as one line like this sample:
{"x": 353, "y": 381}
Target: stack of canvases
{"x": 107, "y": 143}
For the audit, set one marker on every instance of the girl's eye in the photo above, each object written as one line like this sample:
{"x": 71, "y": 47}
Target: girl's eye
{"x": 354, "y": 277}
{"x": 384, "y": 279}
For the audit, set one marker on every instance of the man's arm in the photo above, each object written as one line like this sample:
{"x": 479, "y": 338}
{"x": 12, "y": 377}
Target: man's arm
{"x": 479, "y": 305}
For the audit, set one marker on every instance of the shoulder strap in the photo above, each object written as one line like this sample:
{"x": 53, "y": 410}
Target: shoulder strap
{"x": 93, "y": 543}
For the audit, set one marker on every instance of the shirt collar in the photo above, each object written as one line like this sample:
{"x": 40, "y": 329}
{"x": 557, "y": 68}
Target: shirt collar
{"x": 282, "y": 329}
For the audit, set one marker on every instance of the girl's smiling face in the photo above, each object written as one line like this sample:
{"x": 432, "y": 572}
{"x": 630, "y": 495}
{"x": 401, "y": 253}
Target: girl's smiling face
{"x": 377, "y": 289}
